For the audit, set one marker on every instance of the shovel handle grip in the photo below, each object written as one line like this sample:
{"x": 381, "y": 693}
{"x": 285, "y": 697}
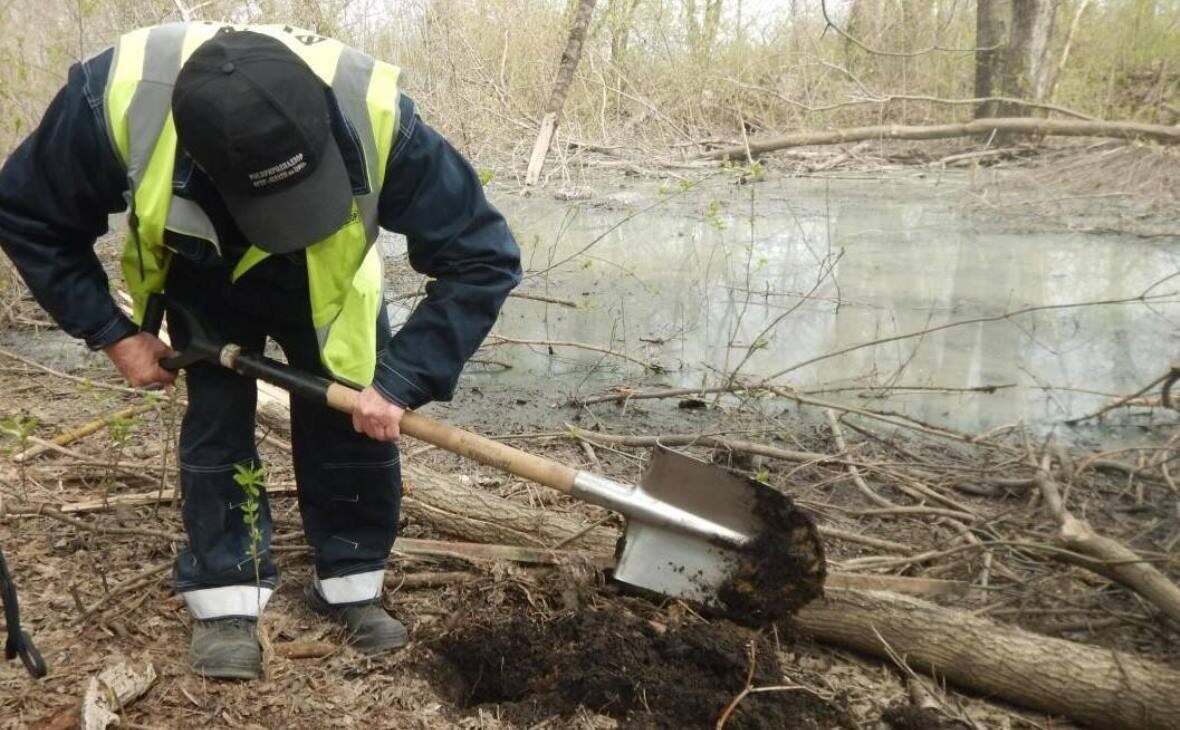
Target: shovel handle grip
{"x": 464, "y": 443}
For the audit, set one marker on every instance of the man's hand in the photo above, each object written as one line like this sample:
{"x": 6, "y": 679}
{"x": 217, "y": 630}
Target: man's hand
{"x": 138, "y": 359}
{"x": 376, "y": 417}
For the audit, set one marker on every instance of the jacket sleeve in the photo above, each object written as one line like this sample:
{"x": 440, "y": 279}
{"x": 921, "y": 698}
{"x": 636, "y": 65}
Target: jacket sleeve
{"x": 455, "y": 236}
{"x": 56, "y": 190}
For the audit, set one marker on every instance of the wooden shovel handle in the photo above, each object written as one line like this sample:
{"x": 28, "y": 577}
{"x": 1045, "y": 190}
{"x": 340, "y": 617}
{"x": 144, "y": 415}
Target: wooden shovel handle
{"x": 473, "y": 446}
{"x": 343, "y": 398}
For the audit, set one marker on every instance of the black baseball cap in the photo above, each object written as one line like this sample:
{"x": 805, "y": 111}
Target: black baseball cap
{"x": 255, "y": 118}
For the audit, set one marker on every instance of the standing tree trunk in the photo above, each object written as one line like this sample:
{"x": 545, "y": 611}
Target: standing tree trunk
{"x": 1059, "y": 68}
{"x": 711, "y": 27}
{"x": 561, "y": 86}
{"x": 1026, "y": 60}
{"x": 865, "y": 20}
{"x": 701, "y": 25}
{"x": 992, "y": 18}
{"x": 620, "y": 18}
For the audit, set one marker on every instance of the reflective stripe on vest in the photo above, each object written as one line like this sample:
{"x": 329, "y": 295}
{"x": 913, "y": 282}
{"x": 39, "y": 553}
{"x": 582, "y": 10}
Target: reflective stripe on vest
{"x": 344, "y": 270}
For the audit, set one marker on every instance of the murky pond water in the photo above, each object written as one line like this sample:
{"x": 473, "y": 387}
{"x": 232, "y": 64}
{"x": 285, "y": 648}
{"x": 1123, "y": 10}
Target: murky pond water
{"x": 763, "y": 277}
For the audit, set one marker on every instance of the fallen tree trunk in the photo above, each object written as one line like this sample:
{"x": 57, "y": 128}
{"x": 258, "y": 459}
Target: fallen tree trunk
{"x": 1099, "y": 687}
{"x": 445, "y": 504}
{"x": 1112, "y": 559}
{"x": 1060, "y": 127}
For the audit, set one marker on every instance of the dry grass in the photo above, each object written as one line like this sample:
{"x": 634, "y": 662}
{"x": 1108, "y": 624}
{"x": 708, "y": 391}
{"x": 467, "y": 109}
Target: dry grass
{"x": 1147, "y": 171}
{"x": 11, "y": 291}
{"x": 481, "y": 71}
{"x": 1071, "y": 189}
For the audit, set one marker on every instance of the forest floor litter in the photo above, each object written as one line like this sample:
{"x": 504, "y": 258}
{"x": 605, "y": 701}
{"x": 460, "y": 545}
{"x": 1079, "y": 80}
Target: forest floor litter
{"x": 548, "y": 642}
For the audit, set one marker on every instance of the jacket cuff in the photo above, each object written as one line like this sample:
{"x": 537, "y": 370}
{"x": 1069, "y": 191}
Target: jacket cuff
{"x": 397, "y": 387}
{"x": 118, "y": 328}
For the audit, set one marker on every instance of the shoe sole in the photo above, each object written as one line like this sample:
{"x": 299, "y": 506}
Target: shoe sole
{"x": 394, "y": 644}
{"x": 239, "y": 671}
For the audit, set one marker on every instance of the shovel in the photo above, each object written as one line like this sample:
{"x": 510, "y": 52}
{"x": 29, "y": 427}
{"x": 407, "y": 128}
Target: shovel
{"x": 693, "y": 530}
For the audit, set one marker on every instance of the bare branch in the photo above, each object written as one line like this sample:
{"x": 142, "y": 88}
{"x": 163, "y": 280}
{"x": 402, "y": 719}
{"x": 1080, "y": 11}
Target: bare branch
{"x": 896, "y": 54}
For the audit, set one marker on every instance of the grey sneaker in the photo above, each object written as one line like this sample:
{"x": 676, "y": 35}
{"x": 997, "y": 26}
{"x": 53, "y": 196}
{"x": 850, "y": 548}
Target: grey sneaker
{"x": 371, "y": 630}
{"x": 226, "y": 648}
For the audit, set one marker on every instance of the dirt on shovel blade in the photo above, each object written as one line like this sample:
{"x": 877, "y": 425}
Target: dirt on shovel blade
{"x": 640, "y": 673}
{"x": 781, "y": 570}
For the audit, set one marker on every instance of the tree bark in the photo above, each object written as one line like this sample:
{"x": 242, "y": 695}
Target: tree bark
{"x": 1026, "y": 59}
{"x": 1066, "y": 128}
{"x": 1059, "y": 67}
{"x": 1111, "y": 558}
{"x": 701, "y": 24}
{"x": 620, "y": 18}
{"x": 1091, "y": 685}
{"x": 443, "y": 503}
{"x": 561, "y": 86}
{"x": 992, "y": 18}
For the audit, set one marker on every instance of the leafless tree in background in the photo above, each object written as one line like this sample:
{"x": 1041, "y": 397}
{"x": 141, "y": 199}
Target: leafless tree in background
{"x": 992, "y": 21}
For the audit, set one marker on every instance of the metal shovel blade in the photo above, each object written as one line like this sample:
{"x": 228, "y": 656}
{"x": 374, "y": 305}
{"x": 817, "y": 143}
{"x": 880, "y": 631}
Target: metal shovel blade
{"x": 777, "y": 568}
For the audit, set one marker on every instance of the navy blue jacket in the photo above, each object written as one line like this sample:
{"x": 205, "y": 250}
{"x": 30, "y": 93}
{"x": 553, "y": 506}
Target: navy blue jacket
{"x": 58, "y": 187}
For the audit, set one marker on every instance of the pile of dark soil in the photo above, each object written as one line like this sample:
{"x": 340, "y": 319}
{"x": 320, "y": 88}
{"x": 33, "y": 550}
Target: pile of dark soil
{"x": 637, "y": 672}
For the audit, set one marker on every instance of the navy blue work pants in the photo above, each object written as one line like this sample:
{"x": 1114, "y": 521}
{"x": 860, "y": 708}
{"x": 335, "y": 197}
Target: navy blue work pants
{"x": 349, "y": 485}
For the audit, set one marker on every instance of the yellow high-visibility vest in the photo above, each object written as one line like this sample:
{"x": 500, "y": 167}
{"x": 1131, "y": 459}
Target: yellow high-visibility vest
{"x": 344, "y": 269}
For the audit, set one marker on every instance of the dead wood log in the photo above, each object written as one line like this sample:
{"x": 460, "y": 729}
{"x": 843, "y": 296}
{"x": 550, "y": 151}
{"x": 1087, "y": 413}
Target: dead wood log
{"x": 1091, "y": 685}
{"x": 442, "y": 502}
{"x": 430, "y": 579}
{"x": 473, "y": 551}
{"x": 140, "y": 499}
{"x": 1060, "y": 127}
{"x": 1112, "y": 559}
{"x": 305, "y": 649}
{"x": 109, "y": 691}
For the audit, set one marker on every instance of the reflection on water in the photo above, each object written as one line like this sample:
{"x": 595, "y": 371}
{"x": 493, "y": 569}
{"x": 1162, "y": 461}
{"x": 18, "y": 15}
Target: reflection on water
{"x": 693, "y": 283}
